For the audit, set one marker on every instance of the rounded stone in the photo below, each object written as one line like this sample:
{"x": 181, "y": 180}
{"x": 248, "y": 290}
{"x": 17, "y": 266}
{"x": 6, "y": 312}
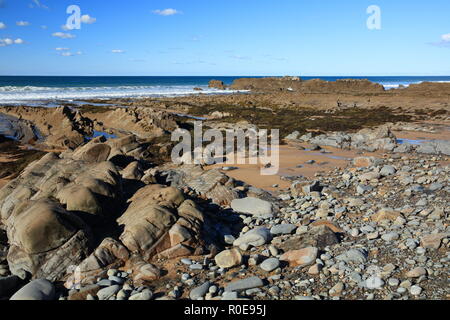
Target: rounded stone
{"x": 270, "y": 264}
{"x": 228, "y": 258}
{"x": 40, "y": 289}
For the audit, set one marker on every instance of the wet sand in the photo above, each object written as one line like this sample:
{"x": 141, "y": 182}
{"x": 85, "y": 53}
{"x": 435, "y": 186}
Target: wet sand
{"x": 291, "y": 158}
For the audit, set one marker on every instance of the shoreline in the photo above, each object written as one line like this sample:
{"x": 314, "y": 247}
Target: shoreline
{"x": 362, "y": 208}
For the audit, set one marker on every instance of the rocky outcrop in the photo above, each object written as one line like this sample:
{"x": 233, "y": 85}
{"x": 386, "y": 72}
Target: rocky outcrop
{"x": 59, "y": 127}
{"x": 380, "y": 138}
{"x": 47, "y": 209}
{"x": 294, "y": 84}
{"x": 142, "y": 121}
{"x": 18, "y": 129}
{"x": 160, "y": 221}
{"x": 217, "y": 84}
{"x": 267, "y": 84}
{"x": 209, "y": 184}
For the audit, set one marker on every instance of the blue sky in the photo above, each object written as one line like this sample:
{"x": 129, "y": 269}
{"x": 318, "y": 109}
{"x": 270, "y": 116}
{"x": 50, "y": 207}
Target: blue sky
{"x": 234, "y": 37}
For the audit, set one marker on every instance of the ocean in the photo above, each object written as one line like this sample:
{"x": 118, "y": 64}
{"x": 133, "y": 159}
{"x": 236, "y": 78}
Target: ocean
{"x": 39, "y": 89}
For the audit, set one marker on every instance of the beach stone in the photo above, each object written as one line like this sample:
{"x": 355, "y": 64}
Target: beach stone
{"x": 353, "y": 255}
{"x": 433, "y": 241}
{"x": 244, "y": 284}
{"x": 270, "y": 264}
{"x": 252, "y": 206}
{"x": 387, "y": 171}
{"x": 199, "y": 292}
{"x": 336, "y": 291}
{"x": 415, "y": 290}
{"x": 416, "y": 272}
{"x": 145, "y": 295}
{"x": 40, "y": 289}
{"x": 229, "y": 296}
{"x": 374, "y": 283}
{"x": 256, "y": 237}
{"x": 301, "y": 258}
{"x": 228, "y": 258}
{"x": 391, "y": 236}
{"x": 281, "y": 229}
{"x": 386, "y": 214}
{"x": 108, "y": 292}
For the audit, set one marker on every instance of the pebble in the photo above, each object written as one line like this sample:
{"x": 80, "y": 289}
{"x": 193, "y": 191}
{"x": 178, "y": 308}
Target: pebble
{"x": 244, "y": 284}
{"x": 270, "y": 264}
{"x": 374, "y": 283}
{"x": 108, "y": 292}
{"x": 415, "y": 290}
{"x": 200, "y": 291}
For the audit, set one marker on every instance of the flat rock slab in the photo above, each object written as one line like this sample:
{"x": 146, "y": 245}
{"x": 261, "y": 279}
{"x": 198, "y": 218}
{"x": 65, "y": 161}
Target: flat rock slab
{"x": 245, "y": 284}
{"x": 252, "y": 206}
{"x": 40, "y": 289}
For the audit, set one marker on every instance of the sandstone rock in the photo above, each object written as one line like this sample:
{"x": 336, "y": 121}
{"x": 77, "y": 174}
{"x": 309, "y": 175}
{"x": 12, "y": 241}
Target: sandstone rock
{"x": 229, "y": 258}
{"x": 302, "y": 257}
{"x": 416, "y": 272}
{"x": 386, "y": 214}
{"x": 433, "y": 241}
{"x": 319, "y": 236}
{"x": 92, "y": 152}
{"x": 217, "y": 84}
{"x": 79, "y": 198}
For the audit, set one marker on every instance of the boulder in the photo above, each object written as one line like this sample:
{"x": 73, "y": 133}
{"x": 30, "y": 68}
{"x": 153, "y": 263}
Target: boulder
{"x": 39, "y": 289}
{"x": 217, "y": 84}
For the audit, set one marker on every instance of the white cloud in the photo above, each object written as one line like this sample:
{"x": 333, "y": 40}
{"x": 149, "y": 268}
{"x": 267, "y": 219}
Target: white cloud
{"x": 2, "y": 25}
{"x": 22, "y": 23}
{"x": 87, "y": 19}
{"x": 70, "y": 54}
{"x": 446, "y": 37}
{"x": 44, "y": 27}
{"x": 62, "y": 49}
{"x": 38, "y": 4}
{"x": 117, "y": 51}
{"x": 8, "y": 41}
{"x": 64, "y": 27}
{"x": 63, "y": 35}
{"x": 167, "y": 12}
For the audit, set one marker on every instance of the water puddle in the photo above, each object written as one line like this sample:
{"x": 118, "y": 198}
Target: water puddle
{"x": 411, "y": 141}
{"x": 101, "y": 133}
